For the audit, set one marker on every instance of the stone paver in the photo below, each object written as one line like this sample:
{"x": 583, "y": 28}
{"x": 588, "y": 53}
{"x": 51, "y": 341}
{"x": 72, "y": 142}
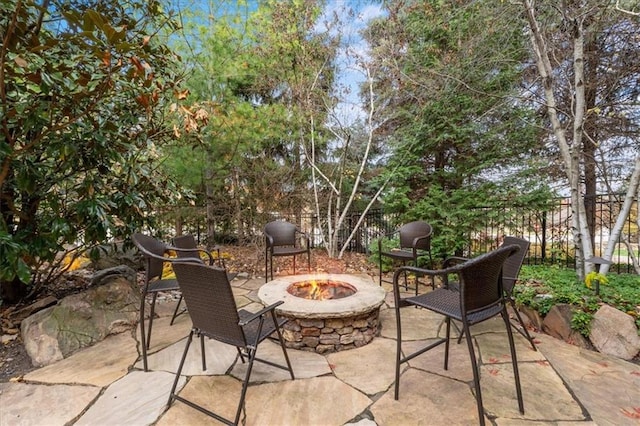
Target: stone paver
{"x": 104, "y": 385}
{"x": 427, "y": 399}
{"x": 137, "y": 399}
{"x": 98, "y": 365}
{"x": 219, "y": 357}
{"x": 304, "y": 364}
{"x": 317, "y": 401}
{"x": 545, "y": 396}
{"x": 27, "y": 404}
{"x": 215, "y": 393}
{"x": 609, "y": 388}
{"x": 355, "y": 367}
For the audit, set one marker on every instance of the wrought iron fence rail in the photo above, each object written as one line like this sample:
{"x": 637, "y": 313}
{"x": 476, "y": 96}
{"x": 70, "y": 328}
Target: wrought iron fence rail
{"x": 548, "y": 230}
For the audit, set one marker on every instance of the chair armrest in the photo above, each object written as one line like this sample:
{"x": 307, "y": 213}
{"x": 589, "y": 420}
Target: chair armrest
{"x": 430, "y": 272}
{"x": 454, "y": 260}
{"x": 172, "y": 259}
{"x": 260, "y": 313}
{"x": 305, "y": 235}
{"x": 195, "y": 251}
{"x": 421, "y": 237}
{"x": 388, "y": 235}
{"x": 269, "y": 240}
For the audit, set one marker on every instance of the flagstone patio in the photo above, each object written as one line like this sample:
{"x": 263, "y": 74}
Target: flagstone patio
{"x": 105, "y": 384}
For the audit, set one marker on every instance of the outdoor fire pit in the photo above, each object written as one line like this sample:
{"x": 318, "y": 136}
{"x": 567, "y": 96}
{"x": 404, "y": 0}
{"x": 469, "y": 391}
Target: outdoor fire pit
{"x": 326, "y": 312}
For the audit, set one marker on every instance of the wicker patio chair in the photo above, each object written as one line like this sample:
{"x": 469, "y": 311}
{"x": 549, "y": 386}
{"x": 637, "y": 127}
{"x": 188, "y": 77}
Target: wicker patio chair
{"x": 189, "y": 246}
{"x": 188, "y": 241}
{"x": 209, "y": 298}
{"x": 415, "y": 241}
{"x": 155, "y": 256}
{"x": 282, "y": 239}
{"x": 510, "y": 272}
{"x": 481, "y": 297}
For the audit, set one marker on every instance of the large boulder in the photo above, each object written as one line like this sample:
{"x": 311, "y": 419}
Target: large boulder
{"x": 614, "y": 333}
{"x": 557, "y": 323}
{"x": 82, "y": 319}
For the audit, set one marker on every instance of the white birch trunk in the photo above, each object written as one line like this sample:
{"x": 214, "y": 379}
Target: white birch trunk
{"x": 633, "y": 192}
{"x": 570, "y": 153}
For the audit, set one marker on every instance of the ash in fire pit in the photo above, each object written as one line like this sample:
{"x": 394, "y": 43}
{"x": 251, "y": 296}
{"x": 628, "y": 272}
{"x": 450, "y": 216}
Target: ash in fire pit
{"x": 348, "y": 319}
{"x": 321, "y": 289}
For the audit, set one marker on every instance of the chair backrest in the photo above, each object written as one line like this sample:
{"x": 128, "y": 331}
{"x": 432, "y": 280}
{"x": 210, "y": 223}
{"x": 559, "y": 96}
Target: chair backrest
{"x": 412, "y": 230}
{"x": 186, "y": 241}
{"x": 514, "y": 262}
{"x": 481, "y": 279}
{"x": 149, "y": 247}
{"x": 209, "y": 299}
{"x": 282, "y": 233}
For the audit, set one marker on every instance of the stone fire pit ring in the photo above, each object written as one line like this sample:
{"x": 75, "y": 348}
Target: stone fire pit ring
{"x": 327, "y": 325}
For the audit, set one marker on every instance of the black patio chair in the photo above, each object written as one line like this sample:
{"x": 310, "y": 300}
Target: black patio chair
{"x": 155, "y": 253}
{"x": 481, "y": 296}
{"x": 283, "y": 239}
{"x": 510, "y": 272}
{"x": 415, "y": 241}
{"x": 188, "y": 242}
{"x": 189, "y": 246}
{"x": 209, "y": 298}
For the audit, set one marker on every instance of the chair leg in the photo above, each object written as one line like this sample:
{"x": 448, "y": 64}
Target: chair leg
{"x": 524, "y": 330}
{"x": 476, "y": 373}
{"x": 309, "y": 261}
{"x": 204, "y": 355}
{"x": 446, "y": 344}
{"x": 175, "y": 311}
{"x": 151, "y": 315}
{"x": 245, "y": 384}
{"x": 398, "y": 352}
{"x": 143, "y": 340}
{"x": 184, "y": 357}
{"x": 266, "y": 266}
{"x": 282, "y": 345}
{"x": 271, "y": 266}
{"x": 406, "y": 286}
{"x": 514, "y": 359}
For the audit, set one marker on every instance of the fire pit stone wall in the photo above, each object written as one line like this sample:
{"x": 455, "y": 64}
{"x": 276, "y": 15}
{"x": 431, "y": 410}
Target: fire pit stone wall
{"x": 325, "y": 326}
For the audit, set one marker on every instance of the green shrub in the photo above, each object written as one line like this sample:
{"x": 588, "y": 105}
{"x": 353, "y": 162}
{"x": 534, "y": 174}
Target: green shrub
{"x": 541, "y": 287}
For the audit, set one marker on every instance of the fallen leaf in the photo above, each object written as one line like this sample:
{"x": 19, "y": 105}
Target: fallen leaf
{"x": 21, "y": 62}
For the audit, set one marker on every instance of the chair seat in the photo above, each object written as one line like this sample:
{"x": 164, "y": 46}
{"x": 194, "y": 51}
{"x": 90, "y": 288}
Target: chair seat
{"x": 399, "y": 254}
{"x": 447, "y": 302}
{"x": 251, "y": 328}
{"x": 288, "y": 251}
{"x": 163, "y": 285}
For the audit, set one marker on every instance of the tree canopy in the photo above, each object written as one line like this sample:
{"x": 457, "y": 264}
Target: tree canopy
{"x": 82, "y": 92}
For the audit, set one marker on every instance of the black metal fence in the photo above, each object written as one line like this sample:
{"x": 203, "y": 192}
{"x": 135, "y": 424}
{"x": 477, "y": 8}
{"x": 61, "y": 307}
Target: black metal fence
{"x": 548, "y": 231}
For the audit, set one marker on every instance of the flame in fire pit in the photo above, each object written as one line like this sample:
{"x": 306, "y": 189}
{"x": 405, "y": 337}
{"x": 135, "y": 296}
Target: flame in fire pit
{"x": 321, "y": 289}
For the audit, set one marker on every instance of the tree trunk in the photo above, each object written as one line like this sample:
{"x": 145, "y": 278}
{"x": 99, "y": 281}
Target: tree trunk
{"x": 570, "y": 153}
{"x": 591, "y": 130}
{"x": 632, "y": 190}
{"x": 210, "y": 207}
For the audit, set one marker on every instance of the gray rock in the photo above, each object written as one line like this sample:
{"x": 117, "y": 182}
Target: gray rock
{"x": 114, "y": 255}
{"x": 532, "y": 315}
{"x": 80, "y": 320}
{"x": 614, "y": 333}
{"x": 104, "y": 276}
{"x": 557, "y": 323}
